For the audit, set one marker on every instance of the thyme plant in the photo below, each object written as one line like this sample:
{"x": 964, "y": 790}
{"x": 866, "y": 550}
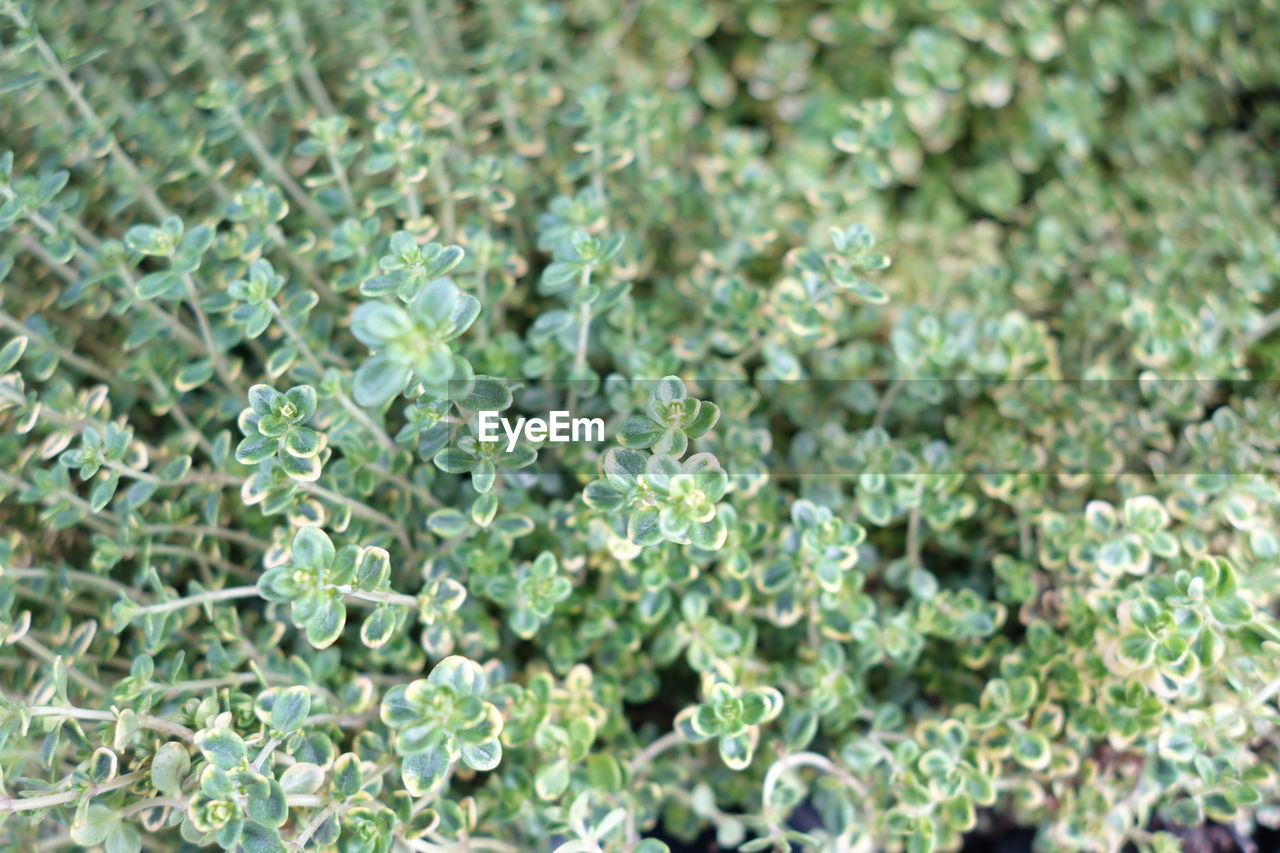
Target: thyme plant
{"x": 934, "y": 341}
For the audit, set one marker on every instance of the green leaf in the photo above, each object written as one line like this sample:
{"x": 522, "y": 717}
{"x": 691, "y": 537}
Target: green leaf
{"x": 483, "y": 474}
{"x": 552, "y": 779}
{"x": 602, "y": 496}
{"x": 290, "y": 708}
{"x": 867, "y": 292}
{"x": 737, "y": 750}
{"x": 375, "y": 324}
{"x": 482, "y": 756}
{"x": 305, "y": 469}
{"x": 11, "y": 352}
{"x": 302, "y": 778}
{"x": 348, "y": 777}
{"x": 447, "y": 523}
{"x": 486, "y": 395}
{"x": 640, "y": 432}
{"x": 435, "y": 304}
{"x": 709, "y": 535}
{"x": 103, "y": 765}
{"x": 312, "y": 548}
{"x": 157, "y": 284}
{"x": 193, "y": 375}
{"x": 256, "y": 449}
{"x": 16, "y": 82}
{"x": 302, "y": 442}
{"x": 304, "y": 399}
{"x": 325, "y": 625}
{"x": 708, "y": 416}
{"x": 651, "y": 845}
{"x": 422, "y": 772}
{"x": 464, "y": 676}
{"x": 378, "y": 380}
{"x": 557, "y": 276}
{"x": 150, "y": 240}
{"x": 97, "y": 823}
{"x": 268, "y": 805}
{"x": 262, "y": 399}
{"x": 103, "y": 491}
{"x": 1231, "y": 610}
{"x": 448, "y": 258}
{"x": 169, "y": 766}
{"x": 125, "y": 838}
{"x": 643, "y": 526}
{"x": 761, "y": 705}
{"x": 434, "y": 366}
{"x": 221, "y": 747}
{"x": 1031, "y": 750}
{"x": 622, "y": 467}
{"x": 256, "y": 838}
{"x": 1177, "y": 745}
{"x": 374, "y": 569}
{"x": 669, "y": 389}
{"x": 379, "y": 627}
{"x": 454, "y": 460}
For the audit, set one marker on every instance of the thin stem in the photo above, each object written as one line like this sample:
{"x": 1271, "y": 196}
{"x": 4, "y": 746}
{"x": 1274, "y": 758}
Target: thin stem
{"x": 71, "y": 574}
{"x": 38, "y": 649}
{"x": 340, "y": 173}
{"x": 196, "y": 684}
{"x": 482, "y": 288}
{"x": 32, "y": 245}
{"x": 17, "y": 804}
{"x": 310, "y": 79}
{"x": 645, "y": 757}
{"x": 313, "y": 826}
{"x": 208, "y": 597}
{"x": 1271, "y": 688}
{"x": 226, "y": 533}
{"x": 237, "y": 592}
{"x": 886, "y": 401}
{"x": 807, "y": 759}
{"x": 397, "y": 599}
{"x": 64, "y": 354}
{"x": 197, "y": 478}
{"x": 146, "y": 721}
{"x": 96, "y": 520}
{"x": 192, "y": 554}
{"x": 265, "y": 753}
{"x": 913, "y": 527}
{"x": 597, "y": 169}
{"x": 584, "y": 331}
{"x": 448, "y": 217}
{"x": 153, "y": 803}
{"x": 206, "y": 332}
{"x": 361, "y": 510}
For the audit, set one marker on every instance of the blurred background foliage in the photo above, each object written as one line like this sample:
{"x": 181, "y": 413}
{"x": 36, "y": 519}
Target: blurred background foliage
{"x": 249, "y": 250}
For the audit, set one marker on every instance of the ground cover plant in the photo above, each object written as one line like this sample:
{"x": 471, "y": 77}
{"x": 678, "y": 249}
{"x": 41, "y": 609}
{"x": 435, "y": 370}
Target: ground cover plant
{"x": 935, "y": 343}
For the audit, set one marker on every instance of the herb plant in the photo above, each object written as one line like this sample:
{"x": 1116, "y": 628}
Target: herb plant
{"x": 935, "y": 343}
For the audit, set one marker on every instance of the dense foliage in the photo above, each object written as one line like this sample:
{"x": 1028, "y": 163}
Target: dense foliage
{"x": 987, "y": 531}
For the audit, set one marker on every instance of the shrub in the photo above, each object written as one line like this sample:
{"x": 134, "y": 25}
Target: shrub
{"x": 987, "y": 532}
